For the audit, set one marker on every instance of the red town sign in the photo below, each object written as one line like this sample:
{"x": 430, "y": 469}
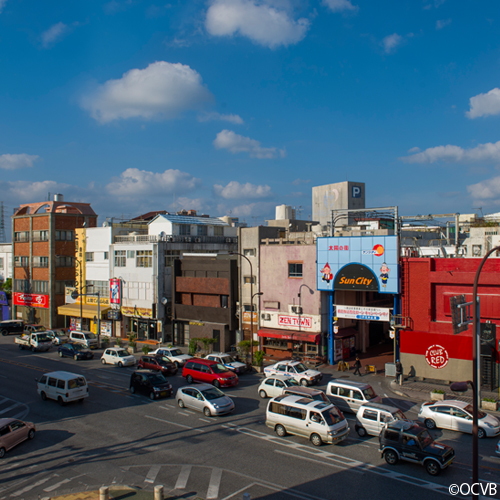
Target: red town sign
{"x": 305, "y": 321}
{"x": 31, "y": 300}
{"x": 436, "y": 356}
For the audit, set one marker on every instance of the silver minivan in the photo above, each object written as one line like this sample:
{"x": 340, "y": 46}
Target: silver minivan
{"x": 349, "y": 395}
{"x": 373, "y": 417}
{"x": 86, "y": 339}
{"x": 318, "y": 421}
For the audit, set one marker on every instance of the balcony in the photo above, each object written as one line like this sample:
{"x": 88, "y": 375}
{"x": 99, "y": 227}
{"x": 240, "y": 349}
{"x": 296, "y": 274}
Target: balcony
{"x": 146, "y": 238}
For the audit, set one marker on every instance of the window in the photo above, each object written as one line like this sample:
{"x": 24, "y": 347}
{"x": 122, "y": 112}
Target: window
{"x": 295, "y": 269}
{"x": 64, "y": 235}
{"x": 249, "y": 252}
{"x": 370, "y": 415}
{"x": 130, "y": 254}
{"x": 249, "y": 279}
{"x": 246, "y": 308}
{"x": 40, "y": 236}
{"x": 98, "y": 286}
{"x": 289, "y": 411}
{"x": 22, "y": 236}
{"x": 476, "y": 250}
{"x": 21, "y": 286}
{"x": 60, "y": 384}
{"x": 61, "y": 286}
{"x": 20, "y": 261}
{"x": 120, "y": 258}
{"x": 184, "y": 229}
{"x": 106, "y": 255}
{"x": 218, "y": 231}
{"x": 144, "y": 258}
{"x": 65, "y": 261}
{"x": 89, "y": 256}
{"x": 40, "y": 262}
{"x": 170, "y": 256}
{"x": 224, "y": 299}
{"x": 1, "y": 262}
{"x": 392, "y": 435}
{"x": 201, "y": 230}
{"x": 40, "y": 287}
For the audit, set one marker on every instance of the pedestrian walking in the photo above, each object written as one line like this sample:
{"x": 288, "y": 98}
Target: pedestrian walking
{"x": 399, "y": 372}
{"x": 357, "y": 366}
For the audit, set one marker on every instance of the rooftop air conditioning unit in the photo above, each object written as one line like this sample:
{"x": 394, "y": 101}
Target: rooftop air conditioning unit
{"x": 297, "y": 309}
{"x": 265, "y": 316}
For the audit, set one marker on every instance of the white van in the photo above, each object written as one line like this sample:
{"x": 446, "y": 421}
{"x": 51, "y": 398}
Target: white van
{"x": 316, "y": 420}
{"x": 86, "y": 339}
{"x": 373, "y": 417}
{"x": 62, "y": 387}
{"x": 349, "y": 395}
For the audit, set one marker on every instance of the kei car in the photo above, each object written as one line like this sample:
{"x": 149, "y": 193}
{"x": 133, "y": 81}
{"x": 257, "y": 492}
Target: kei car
{"x": 117, "y": 356}
{"x": 14, "y": 432}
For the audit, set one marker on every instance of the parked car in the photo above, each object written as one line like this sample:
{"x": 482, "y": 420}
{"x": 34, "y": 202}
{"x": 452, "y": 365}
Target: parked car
{"x": 13, "y": 432}
{"x": 86, "y": 339}
{"x": 58, "y": 337}
{"x": 34, "y": 329}
{"x": 371, "y": 418}
{"x": 206, "y": 398}
{"x": 153, "y": 384}
{"x": 75, "y": 351}
{"x": 211, "y": 372}
{"x": 457, "y": 416}
{"x": 10, "y": 326}
{"x": 296, "y": 370}
{"x": 273, "y": 386}
{"x": 117, "y": 356}
{"x": 174, "y": 354}
{"x": 410, "y": 441}
{"x": 158, "y": 363}
{"x": 228, "y": 361}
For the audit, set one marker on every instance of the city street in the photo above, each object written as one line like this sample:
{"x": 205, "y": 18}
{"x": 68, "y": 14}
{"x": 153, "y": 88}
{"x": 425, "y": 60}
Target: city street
{"x": 118, "y": 438}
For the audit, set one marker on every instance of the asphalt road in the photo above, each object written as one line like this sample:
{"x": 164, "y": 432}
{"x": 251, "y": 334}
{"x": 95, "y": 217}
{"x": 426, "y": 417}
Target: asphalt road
{"x": 118, "y": 438}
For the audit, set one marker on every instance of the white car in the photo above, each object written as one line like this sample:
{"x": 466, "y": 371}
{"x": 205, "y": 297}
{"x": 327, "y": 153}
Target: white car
{"x": 228, "y": 361}
{"x": 58, "y": 337}
{"x": 457, "y": 416}
{"x": 273, "y": 386}
{"x": 174, "y": 353}
{"x": 117, "y": 356}
{"x": 295, "y": 370}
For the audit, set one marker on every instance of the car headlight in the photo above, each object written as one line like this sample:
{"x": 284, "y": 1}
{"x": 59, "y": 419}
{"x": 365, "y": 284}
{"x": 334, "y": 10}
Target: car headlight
{"x": 156, "y": 389}
{"x": 215, "y": 406}
{"x": 487, "y": 424}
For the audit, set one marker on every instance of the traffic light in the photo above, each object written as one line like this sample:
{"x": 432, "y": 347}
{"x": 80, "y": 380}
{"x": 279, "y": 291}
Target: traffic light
{"x": 458, "y": 315}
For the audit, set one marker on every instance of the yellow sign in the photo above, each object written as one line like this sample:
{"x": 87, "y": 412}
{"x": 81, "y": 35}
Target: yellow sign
{"x": 80, "y": 260}
{"x": 103, "y": 301}
{"x": 196, "y": 323}
{"x": 246, "y": 317}
{"x": 138, "y": 312}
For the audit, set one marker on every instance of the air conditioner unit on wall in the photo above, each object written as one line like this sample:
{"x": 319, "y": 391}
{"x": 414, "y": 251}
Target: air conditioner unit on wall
{"x": 297, "y": 309}
{"x": 265, "y": 316}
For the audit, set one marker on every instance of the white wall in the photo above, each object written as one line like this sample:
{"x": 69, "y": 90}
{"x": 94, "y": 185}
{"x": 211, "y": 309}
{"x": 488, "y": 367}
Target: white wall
{"x": 6, "y": 256}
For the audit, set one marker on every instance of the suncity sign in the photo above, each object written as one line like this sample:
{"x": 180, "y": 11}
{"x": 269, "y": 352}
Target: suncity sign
{"x": 367, "y": 313}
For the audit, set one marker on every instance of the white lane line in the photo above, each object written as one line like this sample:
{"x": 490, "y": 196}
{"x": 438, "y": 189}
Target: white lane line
{"x": 294, "y": 455}
{"x": 183, "y": 477}
{"x": 29, "y": 488}
{"x": 166, "y": 408}
{"x": 9, "y": 408}
{"x": 184, "y": 413}
{"x": 213, "y": 487}
{"x": 173, "y": 423}
{"x": 55, "y": 486}
{"x": 153, "y": 472}
{"x": 204, "y": 420}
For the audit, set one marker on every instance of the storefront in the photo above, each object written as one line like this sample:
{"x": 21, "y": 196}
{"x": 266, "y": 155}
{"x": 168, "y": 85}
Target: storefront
{"x": 85, "y": 316}
{"x": 140, "y": 322}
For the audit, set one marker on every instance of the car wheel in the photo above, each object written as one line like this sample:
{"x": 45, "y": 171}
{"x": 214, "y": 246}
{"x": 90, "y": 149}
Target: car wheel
{"x": 481, "y": 434}
{"x": 152, "y": 396}
{"x": 206, "y": 412}
{"x": 21, "y": 346}
{"x": 217, "y": 384}
{"x": 361, "y": 431}
{"x": 430, "y": 424}
{"x": 391, "y": 457}
{"x": 120, "y": 364}
{"x": 75, "y": 357}
{"x": 60, "y": 354}
{"x": 32, "y": 348}
{"x": 189, "y": 379}
{"x": 316, "y": 440}
{"x": 60, "y": 400}
{"x": 176, "y": 363}
{"x": 103, "y": 361}
{"x": 2, "y": 452}
{"x": 31, "y": 434}
{"x": 263, "y": 394}
{"x": 303, "y": 382}
{"x": 181, "y": 403}
{"x": 132, "y": 389}
{"x": 280, "y": 431}
{"x": 43, "y": 396}
{"x": 5, "y": 333}
{"x": 432, "y": 467}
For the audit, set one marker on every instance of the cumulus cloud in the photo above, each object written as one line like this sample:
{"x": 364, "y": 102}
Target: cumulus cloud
{"x": 485, "y": 190}
{"x": 135, "y": 182}
{"x": 440, "y": 24}
{"x": 14, "y": 162}
{"x": 484, "y": 104}
{"x": 390, "y": 42}
{"x": 162, "y": 90}
{"x": 261, "y": 23}
{"x": 234, "y": 143}
{"x": 53, "y": 34}
{"x": 340, "y": 5}
{"x": 27, "y": 191}
{"x": 235, "y": 190}
{"x": 208, "y": 117}
{"x": 489, "y": 152}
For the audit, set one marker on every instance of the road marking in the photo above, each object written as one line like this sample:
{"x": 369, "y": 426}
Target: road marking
{"x": 183, "y": 477}
{"x": 317, "y": 461}
{"x": 55, "y": 486}
{"x": 184, "y": 413}
{"x": 174, "y": 423}
{"x": 213, "y": 487}
{"x": 204, "y": 420}
{"x": 165, "y": 408}
{"x": 9, "y": 408}
{"x": 153, "y": 472}
{"x": 29, "y": 488}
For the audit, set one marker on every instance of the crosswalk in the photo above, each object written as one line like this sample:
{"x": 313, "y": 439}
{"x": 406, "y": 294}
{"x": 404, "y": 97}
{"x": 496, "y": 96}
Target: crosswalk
{"x": 9, "y": 408}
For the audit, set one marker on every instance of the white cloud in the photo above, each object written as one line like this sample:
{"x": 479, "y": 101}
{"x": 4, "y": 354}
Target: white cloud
{"x": 485, "y": 190}
{"x": 54, "y": 33}
{"x": 298, "y": 182}
{"x": 440, "y": 24}
{"x": 30, "y": 192}
{"x": 340, "y": 5}
{"x": 14, "y": 162}
{"x": 234, "y": 143}
{"x": 489, "y": 152}
{"x": 414, "y": 150}
{"x": 162, "y": 90}
{"x": 208, "y": 117}
{"x": 261, "y": 23}
{"x": 135, "y": 182}
{"x": 485, "y": 104}
{"x": 235, "y": 190}
{"x": 390, "y": 42}
{"x": 2, "y": 5}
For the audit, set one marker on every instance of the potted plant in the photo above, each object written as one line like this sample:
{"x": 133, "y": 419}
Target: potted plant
{"x": 258, "y": 359}
{"x": 131, "y": 343}
{"x": 489, "y": 404}
{"x": 438, "y": 395}
{"x": 192, "y": 346}
{"x": 145, "y": 349}
{"x": 104, "y": 342}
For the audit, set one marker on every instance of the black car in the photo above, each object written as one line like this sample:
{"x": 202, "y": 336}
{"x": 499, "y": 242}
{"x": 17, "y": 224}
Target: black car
{"x": 11, "y": 326}
{"x": 153, "y": 384}
{"x": 410, "y": 441}
{"x": 75, "y": 351}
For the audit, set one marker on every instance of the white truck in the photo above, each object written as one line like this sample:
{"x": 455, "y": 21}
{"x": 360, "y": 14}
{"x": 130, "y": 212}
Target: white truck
{"x": 35, "y": 342}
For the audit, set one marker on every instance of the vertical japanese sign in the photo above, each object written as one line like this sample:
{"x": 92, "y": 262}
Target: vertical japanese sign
{"x": 80, "y": 261}
{"x": 115, "y": 291}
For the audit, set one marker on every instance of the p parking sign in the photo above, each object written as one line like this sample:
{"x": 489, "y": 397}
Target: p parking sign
{"x": 356, "y": 191}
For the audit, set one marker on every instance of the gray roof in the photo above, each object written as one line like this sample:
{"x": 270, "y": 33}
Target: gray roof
{"x": 189, "y": 219}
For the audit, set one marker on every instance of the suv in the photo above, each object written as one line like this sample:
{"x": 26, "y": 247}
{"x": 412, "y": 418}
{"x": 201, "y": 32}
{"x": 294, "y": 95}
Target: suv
{"x": 210, "y": 372}
{"x": 153, "y": 384}
{"x": 11, "y": 326}
{"x": 410, "y": 441}
{"x": 174, "y": 354}
{"x": 86, "y": 339}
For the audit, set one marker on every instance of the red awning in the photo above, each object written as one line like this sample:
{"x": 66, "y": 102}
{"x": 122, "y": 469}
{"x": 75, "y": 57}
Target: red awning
{"x": 289, "y": 335}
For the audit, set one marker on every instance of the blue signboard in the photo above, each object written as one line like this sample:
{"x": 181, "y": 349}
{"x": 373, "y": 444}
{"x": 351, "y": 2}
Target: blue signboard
{"x": 361, "y": 263}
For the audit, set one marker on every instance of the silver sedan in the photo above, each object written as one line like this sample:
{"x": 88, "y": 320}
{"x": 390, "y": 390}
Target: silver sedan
{"x": 206, "y": 398}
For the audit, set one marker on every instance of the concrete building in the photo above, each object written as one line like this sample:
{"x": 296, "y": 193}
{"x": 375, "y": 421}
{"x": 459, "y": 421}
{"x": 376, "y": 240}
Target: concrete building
{"x": 5, "y": 261}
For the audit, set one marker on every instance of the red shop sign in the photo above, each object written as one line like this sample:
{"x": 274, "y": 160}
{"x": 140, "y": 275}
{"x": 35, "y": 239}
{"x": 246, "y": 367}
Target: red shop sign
{"x": 31, "y": 300}
{"x": 436, "y": 356}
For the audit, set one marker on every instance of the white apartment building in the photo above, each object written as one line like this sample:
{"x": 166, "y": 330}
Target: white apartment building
{"x": 5, "y": 261}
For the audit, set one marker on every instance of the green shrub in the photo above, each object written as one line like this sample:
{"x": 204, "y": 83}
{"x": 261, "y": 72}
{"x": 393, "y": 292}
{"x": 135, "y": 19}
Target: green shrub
{"x": 145, "y": 349}
{"x": 258, "y": 358}
{"x": 490, "y": 400}
{"x": 438, "y": 391}
{"x": 118, "y": 342}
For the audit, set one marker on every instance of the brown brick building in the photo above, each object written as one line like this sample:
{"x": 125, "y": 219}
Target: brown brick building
{"x": 43, "y": 236}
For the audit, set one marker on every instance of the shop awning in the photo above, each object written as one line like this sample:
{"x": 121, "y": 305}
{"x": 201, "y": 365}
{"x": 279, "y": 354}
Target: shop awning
{"x": 87, "y": 310}
{"x": 289, "y": 335}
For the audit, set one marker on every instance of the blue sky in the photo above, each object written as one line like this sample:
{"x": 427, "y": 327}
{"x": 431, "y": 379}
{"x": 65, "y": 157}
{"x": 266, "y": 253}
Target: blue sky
{"x": 236, "y": 106}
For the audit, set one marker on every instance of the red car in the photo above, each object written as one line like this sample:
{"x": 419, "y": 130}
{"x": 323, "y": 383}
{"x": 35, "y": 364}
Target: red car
{"x": 210, "y": 372}
{"x": 158, "y": 363}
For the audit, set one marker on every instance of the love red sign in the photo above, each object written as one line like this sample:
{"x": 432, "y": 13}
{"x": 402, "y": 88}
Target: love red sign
{"x": 436, "y": 356}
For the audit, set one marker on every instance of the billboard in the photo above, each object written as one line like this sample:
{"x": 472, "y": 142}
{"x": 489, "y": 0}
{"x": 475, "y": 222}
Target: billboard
{"x": 31, "y": 300}
{"x": 361, "y": 263}
{"x": 115, "y": 291}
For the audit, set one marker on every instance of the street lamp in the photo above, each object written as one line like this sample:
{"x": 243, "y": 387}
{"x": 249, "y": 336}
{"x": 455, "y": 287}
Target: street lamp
{"x": 300, "y": 308}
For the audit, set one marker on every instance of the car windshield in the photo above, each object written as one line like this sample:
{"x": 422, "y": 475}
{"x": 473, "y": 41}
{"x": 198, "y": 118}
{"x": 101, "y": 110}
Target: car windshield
{"x": 425, "y": 439}
{"x": 76, "y": 347}
{"x": 163, "y": 360}
{"x": 76, "y": 382}
{"x": 43, "y": 337}
{"x": 369, "y": 393}
{"x": 469, "y": 410}
{"x": 89, "y": 336}
{"x": 300, "y": 368}
{"x": 227, "y": 359}
{"x": 290, "y": 382}
{"x": 212, "y": 393}
{"x": 399, "y": 415}
{"x": 175, "y": 352}
{"x": 38, "y": 329}
{"x": 122, "y": 353}
{"x": 157, "y": 379}
{"x": 321, "y": 397}
{"x": 218, "y": 368}
{"x": 333, "y": 416}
